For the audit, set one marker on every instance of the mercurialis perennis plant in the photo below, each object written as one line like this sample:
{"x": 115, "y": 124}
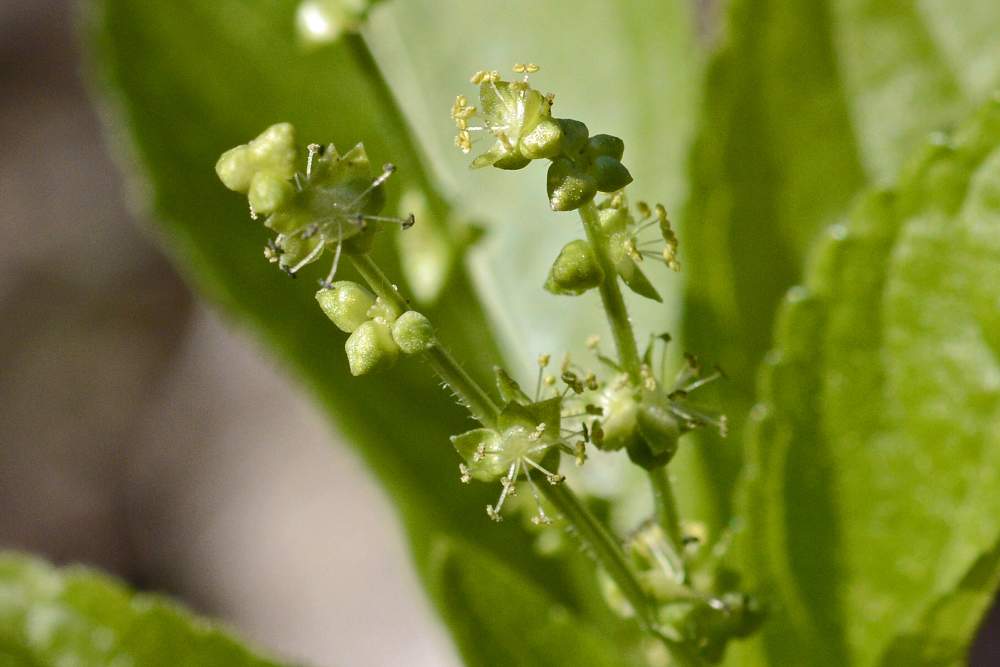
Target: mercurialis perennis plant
{"x": 668, "y": 574}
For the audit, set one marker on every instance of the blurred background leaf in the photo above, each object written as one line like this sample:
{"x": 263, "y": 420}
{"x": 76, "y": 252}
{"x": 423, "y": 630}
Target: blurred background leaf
{"x": 875, "y": 451}
{"x": 75, "y": 616}
{"x": 806, "y": 102}
{"x": 500, "y": 617}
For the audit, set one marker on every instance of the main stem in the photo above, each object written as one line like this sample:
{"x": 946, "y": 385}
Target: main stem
{"x": 468, "y": 390}
{"x": 611, "y": 294}
{"x": 628, "y": 357}
{"x": 604, "y": 547}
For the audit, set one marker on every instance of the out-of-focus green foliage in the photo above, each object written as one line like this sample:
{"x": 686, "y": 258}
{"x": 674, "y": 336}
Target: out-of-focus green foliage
{"x": 77, "y": 617}
{"x": 806, "y": 101}
{"x": 502, "y": 618}
{"x": 875, "y": 452}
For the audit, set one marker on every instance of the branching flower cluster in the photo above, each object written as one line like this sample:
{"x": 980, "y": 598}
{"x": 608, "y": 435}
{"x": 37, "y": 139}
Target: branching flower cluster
{"x": 667, "y": 574}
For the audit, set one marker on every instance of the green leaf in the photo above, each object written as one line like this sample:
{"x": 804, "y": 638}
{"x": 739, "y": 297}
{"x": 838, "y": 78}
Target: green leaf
{"x": 941, "y": 637}
{"x": 75, "y": 616}
{"x": 189, "y": 79}
{"x": 502, "y": 618}
{"x": 875, "y": 449}
{"x": 806, "y": 101}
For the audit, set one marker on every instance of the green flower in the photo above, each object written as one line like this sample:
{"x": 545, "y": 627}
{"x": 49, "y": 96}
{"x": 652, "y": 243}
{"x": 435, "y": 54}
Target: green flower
{"x": 515, "y": 114}
{"x": 333, "y": 205}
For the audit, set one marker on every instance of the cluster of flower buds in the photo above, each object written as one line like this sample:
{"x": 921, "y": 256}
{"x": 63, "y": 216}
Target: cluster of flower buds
{"x": 378, "y": 331}
{"x": 646, "y": 419}
{"x": 698, "y": 597}
{"x": 519, "y": 118}
{"x": 333, "y": 205}
{"x": 577, "y": 270}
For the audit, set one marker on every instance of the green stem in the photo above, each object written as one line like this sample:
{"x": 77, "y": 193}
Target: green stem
{"x": 665, "y": 505}
{"x": 611, "y": 293}
{"x": 468, "y": 390}
{"x": 605, "y": 549}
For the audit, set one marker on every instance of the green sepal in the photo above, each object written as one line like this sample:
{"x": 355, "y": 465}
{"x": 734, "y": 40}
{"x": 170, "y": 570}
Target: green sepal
{"x": 544, "y": 141}
{"x": 383, "y": 310}
{"x": 614, "y": 221}
{"x": 574, "y": 137}
{"x": 569, "y": 187}
{"x": 346, "y": 303}
{"x": 636, "y": 280}
{"x": 413, "y": 332}
{"x": 294, "y": 249}
{"x": 492, "y": 465}
{"x": 501, "y": 157}
{"x": 575, "y": 270}
{"x": 529, "y": 416}
{"x": 371, "y": 348}
{"x": 508, "y": 388}
{"x": 607, "y": 145}
{"x": 610, "y": 174}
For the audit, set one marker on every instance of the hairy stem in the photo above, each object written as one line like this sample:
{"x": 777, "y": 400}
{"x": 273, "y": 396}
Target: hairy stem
{"x": 604, "y": 548}
{"x": 468, "y": 390}
{"x": 611, "y": 293}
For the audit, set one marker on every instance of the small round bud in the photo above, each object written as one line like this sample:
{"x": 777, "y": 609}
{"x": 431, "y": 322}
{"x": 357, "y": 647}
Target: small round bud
{"x": 272, "y": 152}
{"x": 658, "y": 434}
{"x": 413, "y": 332}
{"x": 575, "y": 270}
{"x": 569, "y": 187}
{"x": 605, "y": 144}
{"x": 269, "y": 193}
{"x": 236, "y": 168}
{"x": 346, "y": 304}
{"x": 371, "y": 348}
{"x": 574, "y": 134}
{"x": 609, "y": 173}
{"x": 545, "y": 141}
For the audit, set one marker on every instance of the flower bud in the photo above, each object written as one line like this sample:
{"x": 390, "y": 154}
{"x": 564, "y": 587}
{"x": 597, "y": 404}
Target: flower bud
{"x": 605, "y": 144}
{"x": 371, "y": 348}
{"x": 268, "y": 193}
{"x": 575, "y": 135}
{"x": 545, "y": 141}
{"x": 609, "y": 173}
{"x": 346, "y": 304}
{"x": 575, "y": 270}
{"x": 658, "y": 433}
{"x": 272, "y": 152}
{"x": 413, "y": 332}
{"x": 569, "y": 187}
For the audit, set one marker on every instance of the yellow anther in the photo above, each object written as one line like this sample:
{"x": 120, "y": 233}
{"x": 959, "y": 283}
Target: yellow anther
{"x": 550, "y": 380}
{"x": 478, "y": 77}
{"x": 531, "y": 68}
{"x": 465, "y": 475}
{"x": 543, "y": 360}
{"x": 661, "y": 213}
{"x": 520, "y": 68}
{"x": 593, "y": 341}
{"x": 643, "y": 209}
{"x": 632, "y": 251}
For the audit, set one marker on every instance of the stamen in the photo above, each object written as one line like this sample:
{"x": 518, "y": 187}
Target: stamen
{"x": 466, "y": 476}
{"x": 313, "y": 254}
{"x": 387, "y": 170}
{"x": 313, "y": 150}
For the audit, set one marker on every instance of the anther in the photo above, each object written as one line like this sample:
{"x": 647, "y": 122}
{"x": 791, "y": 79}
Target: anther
{"x": 463, "y": 471}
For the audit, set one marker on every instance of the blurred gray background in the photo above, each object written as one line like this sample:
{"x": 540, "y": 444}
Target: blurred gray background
{"x": 131, "y": 431}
